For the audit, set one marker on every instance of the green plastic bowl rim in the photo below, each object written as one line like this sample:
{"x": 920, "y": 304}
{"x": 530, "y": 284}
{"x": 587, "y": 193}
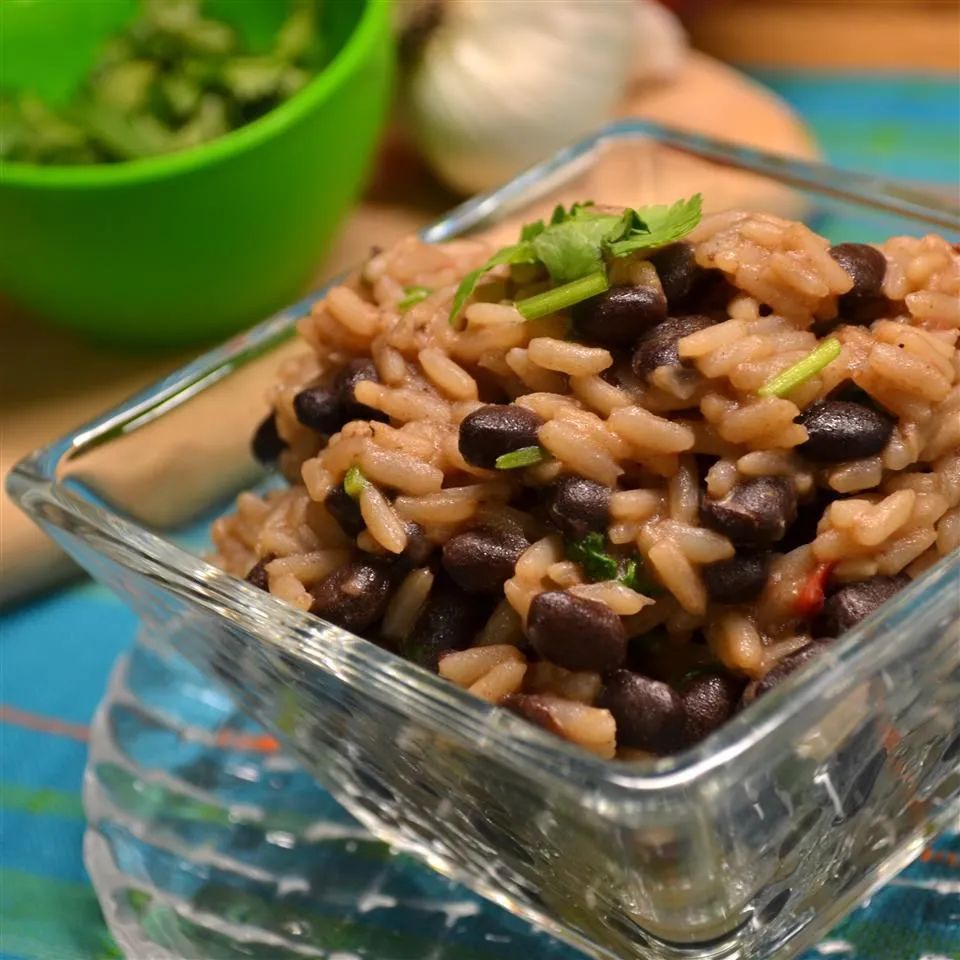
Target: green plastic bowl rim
{"x": 351, "y": 54}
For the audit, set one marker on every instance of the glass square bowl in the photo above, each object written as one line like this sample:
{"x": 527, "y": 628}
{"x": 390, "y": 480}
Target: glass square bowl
{"x": 750, "y": 844}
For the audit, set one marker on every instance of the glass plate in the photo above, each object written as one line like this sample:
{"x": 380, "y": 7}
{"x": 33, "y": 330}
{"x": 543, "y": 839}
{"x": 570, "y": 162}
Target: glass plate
{"x": 206, "y": 843}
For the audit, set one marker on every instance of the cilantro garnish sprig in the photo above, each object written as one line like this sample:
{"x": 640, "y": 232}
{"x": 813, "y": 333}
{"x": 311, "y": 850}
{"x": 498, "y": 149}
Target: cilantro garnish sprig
{"x": 577, "y": 243}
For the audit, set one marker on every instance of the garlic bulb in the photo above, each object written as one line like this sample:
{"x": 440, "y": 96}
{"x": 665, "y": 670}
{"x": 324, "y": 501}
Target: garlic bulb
{"x": 660, "y": 45}
{"x": 500, "y": 84}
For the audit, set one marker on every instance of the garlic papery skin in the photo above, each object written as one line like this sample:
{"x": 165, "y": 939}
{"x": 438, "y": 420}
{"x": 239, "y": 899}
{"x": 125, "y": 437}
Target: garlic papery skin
{"x": 501, "y": 84}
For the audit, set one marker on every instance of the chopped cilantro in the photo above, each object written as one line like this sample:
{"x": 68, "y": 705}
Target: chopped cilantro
{"x": 524, "y": 457}
{"x": 633, "y": 575}
{"x": 354, "y": 482}
{"x": 591, "y": 554}
{"x": 629, "y": 575}
{"x": 412, "y": 296}
{"x": 598, "y": 564}
{"x": 783, "y": 383}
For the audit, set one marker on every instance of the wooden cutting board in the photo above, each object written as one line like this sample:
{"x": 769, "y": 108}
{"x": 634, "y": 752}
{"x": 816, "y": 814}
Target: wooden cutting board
{"x": 51, "y": 382}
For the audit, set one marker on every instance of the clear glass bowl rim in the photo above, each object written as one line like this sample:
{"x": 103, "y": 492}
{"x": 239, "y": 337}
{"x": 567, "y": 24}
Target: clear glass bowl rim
{"x": 772, "y": 722}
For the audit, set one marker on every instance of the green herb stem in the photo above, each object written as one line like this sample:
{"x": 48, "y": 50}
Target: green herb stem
{"x": 559, "y": 298}
{"x": 791, "y": 378}
{"x": 524, "y": 457}
{"x": 353, "y": 482}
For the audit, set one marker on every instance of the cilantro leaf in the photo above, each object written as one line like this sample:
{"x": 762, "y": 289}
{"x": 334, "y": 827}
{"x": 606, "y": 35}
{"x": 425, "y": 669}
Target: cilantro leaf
{"x": 591, "y": 554}
{"x": 633, "y": 575}
{"x": 648, "y": 227}
{"x": 531, "y": 231}
{"x": 517, "y": 253}
{"x": 582, "y": 209}
{"x": 569, "y": 244}
{"x": 629, "y": 575}
{"x": 574, "y": 249}
{"x": 598, "y": 564}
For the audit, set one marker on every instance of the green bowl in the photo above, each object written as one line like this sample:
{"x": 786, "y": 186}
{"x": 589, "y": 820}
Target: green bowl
{"x": 194, "y": 245}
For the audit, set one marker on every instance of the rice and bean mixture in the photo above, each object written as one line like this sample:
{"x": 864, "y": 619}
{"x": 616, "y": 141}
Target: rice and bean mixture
{"x": 623, "y": 477}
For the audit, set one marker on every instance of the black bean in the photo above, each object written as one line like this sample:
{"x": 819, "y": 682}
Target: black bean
{"x": 576, "y": 634}
{"x": 840, "y": 430}
{"x": 578, "y": 506}
{"x": 790, "y": 663}
{"x": 495, "y": 429}
{"x": 680, "y": 274}
{"x": 481, "y": 560}
{"x": 659, "y": 656}
{"x": 449, "y": 621}
{"x": 612, "y": 375}
{"x": 803, "y": 530}
{"x": 756, "y": 513}
{"x": 854, "y": 602}
{"x": 267, "y": 444}
{"x": 618, "y": 316}
{"x": 658, "y": 346}
{"x": 864, "y": 264}
{"x": 345, "y": 510}
{"x": 709, "y": 700}
{"x": 649, "y": 713}
{"x": 737, "y": 580}
{"x": 350, "y": 408}
{"x": 354, "y": 596}
{"x": 318, "y": 408}
{"x": 867, "y": 267}
{"x": 526, "y": 499}
{"x": 257, "y": 576}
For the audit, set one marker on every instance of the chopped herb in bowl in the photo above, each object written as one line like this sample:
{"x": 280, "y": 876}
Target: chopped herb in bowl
{"x": 175, "y": 77}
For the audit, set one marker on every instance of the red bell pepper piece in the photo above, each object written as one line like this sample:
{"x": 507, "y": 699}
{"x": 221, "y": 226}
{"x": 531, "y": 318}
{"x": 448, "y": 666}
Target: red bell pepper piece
{"x": 809, "y": 601}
